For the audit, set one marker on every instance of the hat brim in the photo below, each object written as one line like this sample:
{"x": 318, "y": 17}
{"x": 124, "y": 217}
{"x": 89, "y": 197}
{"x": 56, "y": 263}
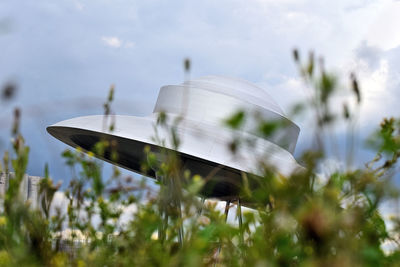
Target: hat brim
{"x": 203, "y": 149}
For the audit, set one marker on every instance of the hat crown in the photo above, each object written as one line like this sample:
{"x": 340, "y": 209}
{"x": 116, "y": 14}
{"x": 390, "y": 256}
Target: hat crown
{"x": 213, "y": 99}
{"x": 237, "y": 88}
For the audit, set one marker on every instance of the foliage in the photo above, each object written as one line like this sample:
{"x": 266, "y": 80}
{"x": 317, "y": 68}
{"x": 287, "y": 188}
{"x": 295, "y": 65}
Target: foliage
{"x": 300, "y": 220}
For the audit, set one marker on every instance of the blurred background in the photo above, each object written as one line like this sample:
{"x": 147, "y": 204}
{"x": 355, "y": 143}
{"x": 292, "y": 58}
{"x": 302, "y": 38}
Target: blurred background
{"x": 59, "y": 58}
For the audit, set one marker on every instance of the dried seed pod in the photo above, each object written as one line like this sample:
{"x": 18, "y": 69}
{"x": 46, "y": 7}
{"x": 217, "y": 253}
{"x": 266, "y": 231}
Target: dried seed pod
{"x": 187, "y": 64}
{"x": 8, "y": 92}
{"x": 355, "y": 87}
{"x": 296, "y": 55}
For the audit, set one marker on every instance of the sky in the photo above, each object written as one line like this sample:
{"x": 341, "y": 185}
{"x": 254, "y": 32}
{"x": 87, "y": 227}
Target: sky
{"x": 64, "y": 55}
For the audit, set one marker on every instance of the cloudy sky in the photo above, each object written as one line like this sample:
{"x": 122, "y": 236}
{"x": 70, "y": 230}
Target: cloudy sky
{"x": 64, "y": 55}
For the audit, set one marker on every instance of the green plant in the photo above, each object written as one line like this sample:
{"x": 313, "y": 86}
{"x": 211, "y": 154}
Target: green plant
{"x": 301, "y": 219}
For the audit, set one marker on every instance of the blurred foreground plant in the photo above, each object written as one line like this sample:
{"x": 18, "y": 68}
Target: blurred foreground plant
{"x": 303, "y": 219}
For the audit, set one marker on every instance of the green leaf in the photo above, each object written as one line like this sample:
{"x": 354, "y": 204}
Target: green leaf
{"x": 268, "y": 128}
{"x": 236, "y": 121}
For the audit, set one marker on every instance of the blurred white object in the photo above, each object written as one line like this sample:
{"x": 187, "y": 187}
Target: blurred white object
{"x": 29, "y": 188}
{"x": 202, "y": 104}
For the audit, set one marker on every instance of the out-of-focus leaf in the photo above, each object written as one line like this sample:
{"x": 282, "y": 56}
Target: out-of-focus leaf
{"x": 236, "y": 121}
{"x": 268, "y": 128}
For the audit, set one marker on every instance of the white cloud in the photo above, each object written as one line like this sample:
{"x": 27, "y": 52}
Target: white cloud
{"x": 112, "y": 41}
{"x": 79, "y": 5}
{"x": 116, "y": 42}
{"x": 377, "y": 70}
{"x": 384, "y": 31}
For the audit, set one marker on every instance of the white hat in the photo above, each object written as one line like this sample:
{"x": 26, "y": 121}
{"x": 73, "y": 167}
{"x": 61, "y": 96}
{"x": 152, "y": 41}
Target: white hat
{"x": 203, "y": 104}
